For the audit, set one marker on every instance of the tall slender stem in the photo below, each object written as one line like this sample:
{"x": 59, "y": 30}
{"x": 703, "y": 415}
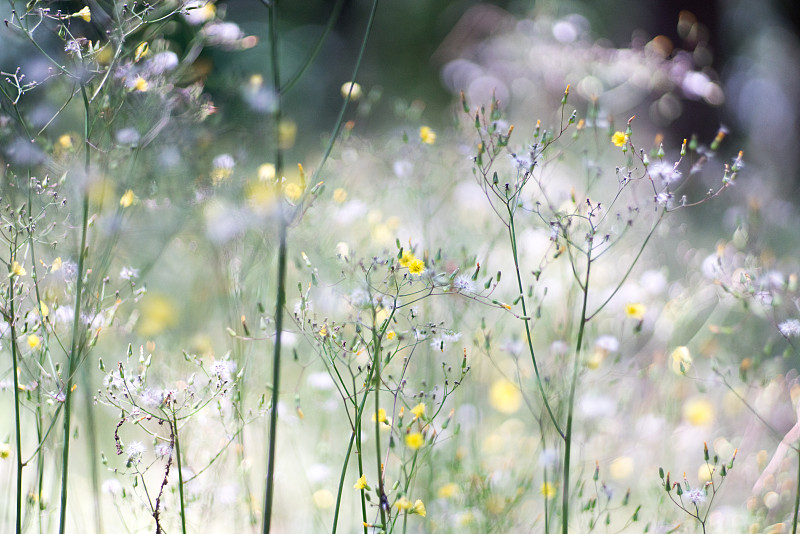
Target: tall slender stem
{"x": 513, "y": 237}
{"x": 571, "y": 401}
{"x": 796, "y": 496}
{"x": 281, "y": 282}
{"x": 74, "y": 355}
{"x": 17, "y": 427}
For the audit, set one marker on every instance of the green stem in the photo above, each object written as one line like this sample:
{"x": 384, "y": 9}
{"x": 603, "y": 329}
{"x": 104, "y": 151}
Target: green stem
{"x": 571, "y": 402}
{"x": 281, "y": 282}
{"x": 76, "y": 320}
{"x": 376, "y": 363}
{"x": 513, "y": 237}
{"x": 180, "y": 472}
{"x": 17, "y": 427}
{"x": 796, "y": 497}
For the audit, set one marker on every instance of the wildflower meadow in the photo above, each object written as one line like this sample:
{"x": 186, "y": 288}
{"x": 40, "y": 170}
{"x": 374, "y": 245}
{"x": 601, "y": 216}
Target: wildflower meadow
{"x": 253, "y": 285}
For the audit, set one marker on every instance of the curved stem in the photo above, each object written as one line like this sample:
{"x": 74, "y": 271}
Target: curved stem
{"x": 796, "y": 497}
{"x": 513, "y": 237}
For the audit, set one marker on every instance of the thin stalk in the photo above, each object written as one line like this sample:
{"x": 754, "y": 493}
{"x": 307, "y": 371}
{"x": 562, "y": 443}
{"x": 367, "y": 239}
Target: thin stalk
{"x": 376, "y": 378}
{"x": 280, "y": 298}
{"x": 796, "y": 497}
{"x": 17, "y": 428}
{"x": 571, "y": 402}
{"x": 180, "y": 472}
{"x": 74, "y": 350}
{"x": 513, "y": 237}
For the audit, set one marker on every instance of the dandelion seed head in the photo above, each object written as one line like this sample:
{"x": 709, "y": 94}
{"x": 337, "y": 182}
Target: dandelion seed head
{"x": 789, "y": 328}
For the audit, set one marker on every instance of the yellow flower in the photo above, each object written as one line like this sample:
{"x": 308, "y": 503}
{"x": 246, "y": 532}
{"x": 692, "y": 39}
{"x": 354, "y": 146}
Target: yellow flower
{"x": 339, "y": 195}
{"x": 619, "y": 139}
{"x": 415, "y": 440}
{"x": 65, "y": 141}
{"x": 361, "y": 483}
{"x": 56, "y": 265}
{"x": 323, "y": 332}
{"x": 44, "y": 311}
{"x": 448, "y": 491}
{"x": 416, "y": 266}
{"x": 681, "y": 360}
{"x": 406, "y": 258}
{"x": 427, "y": 135}
{"x": 403, "y": 504}
{"x": 419, "y": 508}
{"x": 292, "y": 191}
{"x": 17, "y": 269}
{"x": 266, "y": 172}
{"x": 140, "y": 84}
{"x": 548, "y": 490}
{"x": 381, "y": 416}
{"x": 127, "y": 199}
{"x": 287, "y": 133}
{"x": 390, "y": 335}
{"x": 505, "y": 397}
{"x": 635, "y": 310}
{"x": 34, "y": 341}
{"x": 85, "y": 14}
{"x": 5, "y": 450}
{"x": 323, "y": 499}
{"x": 418, "y": 410}
{"x": 621, "y": 467}
{"x": 698, "y": 412}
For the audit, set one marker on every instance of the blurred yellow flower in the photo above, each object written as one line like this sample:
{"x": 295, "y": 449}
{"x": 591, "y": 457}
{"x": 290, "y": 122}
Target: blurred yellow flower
{"x": 427, "y": 135}
{"x": 621, "y": 467}
{"x": 381, "y": 415}
{"x": 141, "y": 85}
{"x": 5, "y": 450}
{"x": 266, "y": 172}
{"x": 361, "y": 483}
{"x": 323, "y": 499}
{"x": 419, "y": 508}
{"x": 698, "y": 411}
{"x": 415, "y": 440}
{"x": 292, "y": 191}
{"x": 56, "y": 265}
{"x": 65, "y": 141}
{"x": 17, "y": 269}
{"x": 416, "y": 266}
{"x": 127, "y": 199}
{"x": 619, "y": 139}
{"x": 34, "y": 341}
{"x": 44, "y": 311}
{"x": 681, "y": 360}
{"x": 390, "y": 335}
{"x": 505, "y": 397}
{"x": 418, "y": 410}
{"x": 157, "y": 314}
{"x": 635, "y": 310}
{"x": 548, "y": 490}
{"x": 403, "y": 504}
{"x": 339, "y": 195}
{"x": 448, "y": 491}
{"x": 287, "y": 133}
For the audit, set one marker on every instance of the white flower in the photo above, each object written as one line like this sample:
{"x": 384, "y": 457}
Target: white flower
{"x": 112, "y": 487}
{"x": 665, "y": 172}
{"x": 162, "y": 450}
{"x": 222, "y": 369}
{"x": 463, "y": 283}
{"x": 696, "y": 496}
{"x": 790, "y": 328}
{"x": 607, "y": 343}
{"x": 129, "y": 273}
{"x": 135, "y": 451}
{"x": 224, "y": 161}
